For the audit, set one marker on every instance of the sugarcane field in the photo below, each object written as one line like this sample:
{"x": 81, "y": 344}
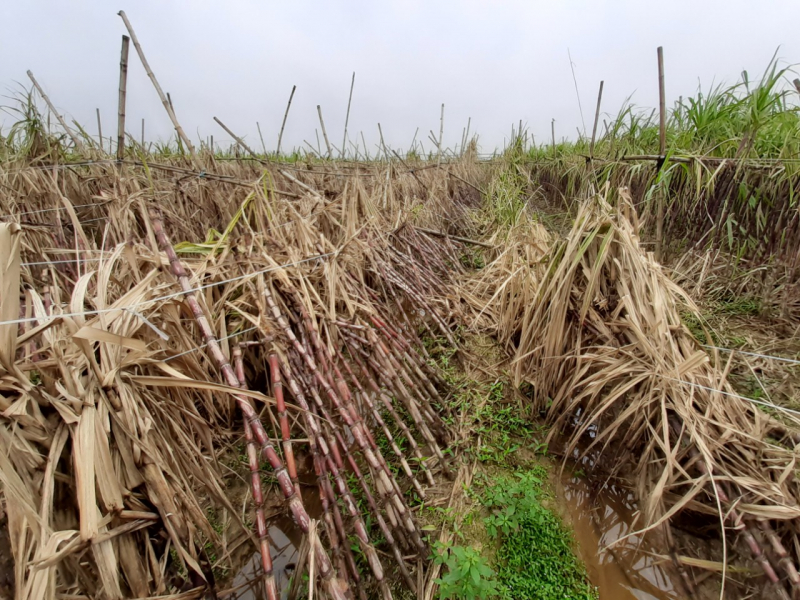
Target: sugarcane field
{"x": 341, "y": 365}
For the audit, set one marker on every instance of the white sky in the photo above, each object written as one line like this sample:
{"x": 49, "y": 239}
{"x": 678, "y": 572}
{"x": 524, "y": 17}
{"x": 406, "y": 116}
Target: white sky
{"x": 497, "y": 62}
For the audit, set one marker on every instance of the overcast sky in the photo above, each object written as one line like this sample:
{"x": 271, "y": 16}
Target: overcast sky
{"x": 496, "y": 62}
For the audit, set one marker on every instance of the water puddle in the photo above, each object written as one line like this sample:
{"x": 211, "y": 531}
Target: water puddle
{"x": 629, "y": 570}
{"x": 248, "y": 582}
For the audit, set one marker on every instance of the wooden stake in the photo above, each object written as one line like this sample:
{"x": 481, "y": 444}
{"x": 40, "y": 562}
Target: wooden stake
{"x": 324, "y": 133}
{"x": 441, "y": 135}
{"x": 347, "y": 118}
{"x": 553, "y": 132}
{"x": 99, "y": 129}
{"x": 263, "y": 145}
{"x": 239, "y": 140}
{"x": 152, "y": 77}
{"x": 285, "y": 115}
{"x": 596, "y": 119}
{"x": 662, "y": 108}
{"x": 662, "y": 147}
{"x": 212, "y": 145}
{"x": 123, "y": 85}
{"x": 383, "y": 144}
{"x": 70, "y": 133}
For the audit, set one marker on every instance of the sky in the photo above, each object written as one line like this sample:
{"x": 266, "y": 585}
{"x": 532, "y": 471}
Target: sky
{"x": 495, "y": 63}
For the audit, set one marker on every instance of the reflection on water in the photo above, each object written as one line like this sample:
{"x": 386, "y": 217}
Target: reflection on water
{"x": 628, "y": 571}
{"x": 249, "y": 582}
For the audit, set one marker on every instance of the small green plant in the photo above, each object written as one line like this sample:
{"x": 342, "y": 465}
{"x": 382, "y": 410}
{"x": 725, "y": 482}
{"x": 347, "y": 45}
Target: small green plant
{"x": 535, "y": 558}
{"x": 468, "y": 575}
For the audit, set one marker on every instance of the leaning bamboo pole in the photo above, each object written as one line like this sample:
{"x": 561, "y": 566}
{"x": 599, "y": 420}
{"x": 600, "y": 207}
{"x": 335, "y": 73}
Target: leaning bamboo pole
{"x": 75, "y": 139}
{"x": 335, "y": 587}
{"x": 152, "y": 77}
{"x": 239, "y": 140}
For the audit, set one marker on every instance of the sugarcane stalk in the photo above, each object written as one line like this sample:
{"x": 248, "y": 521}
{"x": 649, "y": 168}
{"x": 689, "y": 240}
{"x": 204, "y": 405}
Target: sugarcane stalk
{"x": 270, "y": 587}
{"x": 280, "y": 404}
{"x": 367, "y": 493}
{"x": 336, "y": 379}
{"x": 388, "y": 434}
{"x": 344, "y": 493}
{"x": 387, "y": 403}
{"x": 744, "y": 525}
{"x": 352, "y": 420}
{"x": 335, "y": 587}
{"x": 410, "y": 355}
{"x": 394, "y": 382}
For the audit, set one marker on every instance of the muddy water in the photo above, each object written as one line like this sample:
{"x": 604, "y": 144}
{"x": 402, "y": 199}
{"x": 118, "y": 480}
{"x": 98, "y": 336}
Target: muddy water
{"x": 248, "y": 582}
{"x": 628, "y": 571}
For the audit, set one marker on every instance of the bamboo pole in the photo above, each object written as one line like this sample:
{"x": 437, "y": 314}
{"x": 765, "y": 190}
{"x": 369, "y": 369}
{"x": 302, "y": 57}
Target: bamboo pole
{"x": 261, "y": 137}
{"x": 324, "y": 133}
{"x": 99, "y": 129}
{"x": 662, "y": 146}
{"x": 70, "y": 133}
{"x": 596, "y": 119}
{"x": 347, "y": 117}
{"x": 152, "y": 77}
{"x": 239, "y": 140}
{"x": 123, "y": 86}
{"x": 553, "y": 133}
{"x": 285, "y": 116}
{"x": 441, "y": 136}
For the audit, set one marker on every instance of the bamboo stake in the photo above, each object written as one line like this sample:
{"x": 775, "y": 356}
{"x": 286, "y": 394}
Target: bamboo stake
{"x": 263, "y": 145}
{"x": 553, "y": 133}
{"x": 347, "y": 117}
{"x": 152, "y": 77}
{"x": 99, "y": 129}
{"x": 285, "y": 116}
{"x": 662, "y": 145}
{"x": 239, "y": 140}
{"x": 123, "y": 84}
{"x": 441, "y": 136}
{"x": 70, "y": 133}
{"x": 334, "y": 586}
{"x": 324, "y": 133}
{"x": 596, "y": 119}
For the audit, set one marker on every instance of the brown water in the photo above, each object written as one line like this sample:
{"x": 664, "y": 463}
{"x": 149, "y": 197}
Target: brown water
{"x": 248, "y": 582}
{"x": 628, "y": 571}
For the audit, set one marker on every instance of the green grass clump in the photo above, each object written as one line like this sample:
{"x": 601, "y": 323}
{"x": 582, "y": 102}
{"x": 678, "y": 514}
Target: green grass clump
{"x": 535, "y": 557}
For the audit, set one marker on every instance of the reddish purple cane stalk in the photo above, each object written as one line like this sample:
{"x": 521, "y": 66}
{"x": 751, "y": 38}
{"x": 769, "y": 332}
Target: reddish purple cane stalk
{"x": 335, "y": 587}
{"x": 258, "y": 496}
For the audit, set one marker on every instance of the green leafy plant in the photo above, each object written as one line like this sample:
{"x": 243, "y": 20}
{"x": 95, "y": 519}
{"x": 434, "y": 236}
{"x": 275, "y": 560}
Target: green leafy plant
{"x": 468, "y": 575}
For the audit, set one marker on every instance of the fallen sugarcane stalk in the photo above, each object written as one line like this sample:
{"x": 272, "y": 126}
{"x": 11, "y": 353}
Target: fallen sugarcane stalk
{"x": 365, "y": 488}
{"x": 322, "y": 447}
{"x": 255, "y": 486}
{"x": 334, "y": 586}
{"x": 747, "y": 528}
{"x": 389, "y": 437}
{"x": 387, "y": 403}
{"x": 353, "y": 421}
